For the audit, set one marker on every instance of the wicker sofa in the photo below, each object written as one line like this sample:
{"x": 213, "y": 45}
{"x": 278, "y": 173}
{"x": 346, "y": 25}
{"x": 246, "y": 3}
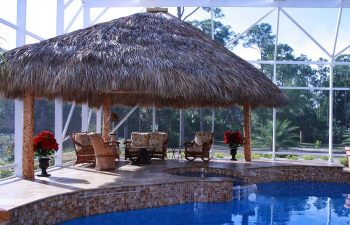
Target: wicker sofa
{"x": 200, "y": 146}
{"x": 156, "y": 142}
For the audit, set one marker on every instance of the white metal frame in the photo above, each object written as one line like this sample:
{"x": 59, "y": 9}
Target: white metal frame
{"x": 21, "y": 33}
{"x": 221, "y": 3}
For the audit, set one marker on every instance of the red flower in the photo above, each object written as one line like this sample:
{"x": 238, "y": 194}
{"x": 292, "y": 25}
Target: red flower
{"x": 45, "y": 144}
{"x": 233, "y": 139}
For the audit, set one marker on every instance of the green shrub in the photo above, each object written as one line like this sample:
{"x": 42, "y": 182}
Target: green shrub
{"x": 239, "y": 156}
{"x": 292, "y": 157}
{"x": 266, "y": 156}
{"x": 6, "y": 173}
{"x": 309, "y": 157}
{"x": 323, "y": 157}
{"x": 256, "y": 156}
{"x": 344, "y": 161}
{"x": 318, "y": 144}
{"x": 219, "y": 155}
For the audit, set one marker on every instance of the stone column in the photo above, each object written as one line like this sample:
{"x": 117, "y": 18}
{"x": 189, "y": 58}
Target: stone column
{"x": 106, "y": 118}
{"x": 247, "y": 132}
{"x": 28, "y": 133}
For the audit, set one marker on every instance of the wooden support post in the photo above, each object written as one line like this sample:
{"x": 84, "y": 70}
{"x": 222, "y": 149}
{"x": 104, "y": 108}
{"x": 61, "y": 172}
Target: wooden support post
{"x": 247, "y": 132}
{"x": 106, "y": 118}
{"x": 28, "y": 133}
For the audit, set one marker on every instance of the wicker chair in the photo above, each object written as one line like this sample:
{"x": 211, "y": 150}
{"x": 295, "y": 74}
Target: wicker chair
{"x": 199, "y": 147}
{"x": 105, "y": 153}
{"x": 83, "y": 148}
{"x": 156, "y": 142}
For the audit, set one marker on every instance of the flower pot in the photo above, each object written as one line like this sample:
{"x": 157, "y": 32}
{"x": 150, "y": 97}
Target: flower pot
{"x": 43, "y": 165}
{"x": 233, "y": 153}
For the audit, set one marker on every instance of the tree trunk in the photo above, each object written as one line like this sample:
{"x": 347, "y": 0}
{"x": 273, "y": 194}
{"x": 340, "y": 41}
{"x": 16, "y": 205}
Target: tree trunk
{"x": 247, "y": 132}
{"x": 28, "y": 133}
{"x": 106, "y": 118}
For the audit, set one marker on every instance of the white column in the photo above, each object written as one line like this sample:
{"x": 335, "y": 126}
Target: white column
{"x": 58, "y": 102}
{"x": 99, "y": 120}
{"x": 84, "y": 118}
{"x": 18, "y": 137}
{"x": 58, "y": 131}
{"x": 153, "y": 119}
{"x": 86, "y": 14}
{"x": 84, "y": 107}
{"x": 330, "y": 118}
{"x": 20, "y": 40}
{"x": 331, "y": 76}
{"x": 274, "y": 111}
{"x": 60, "y": 17}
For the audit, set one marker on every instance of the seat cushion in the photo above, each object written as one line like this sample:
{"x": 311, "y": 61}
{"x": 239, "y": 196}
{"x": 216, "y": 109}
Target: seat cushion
{"x": 157, "y": 138}
{"x": 203, "y": 137}
{"x": 82, "y": 139}
{"x": 139, "y": 139}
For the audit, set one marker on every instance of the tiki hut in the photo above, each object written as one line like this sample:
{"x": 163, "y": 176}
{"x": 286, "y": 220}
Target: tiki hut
{"x": 150, "y": 59}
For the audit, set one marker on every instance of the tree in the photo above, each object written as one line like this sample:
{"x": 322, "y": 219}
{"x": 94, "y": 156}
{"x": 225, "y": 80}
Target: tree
{"x": 260, "y": 38}
{"x": 286, "y": 134}
{"x": 222, "y": 33}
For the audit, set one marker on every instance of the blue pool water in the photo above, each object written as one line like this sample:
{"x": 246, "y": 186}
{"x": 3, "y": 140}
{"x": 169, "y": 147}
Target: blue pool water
{"x": 280, "y": 203}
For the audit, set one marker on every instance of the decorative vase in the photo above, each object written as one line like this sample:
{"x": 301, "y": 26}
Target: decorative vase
{"x": 43, "y": 165}
{"x": 233, "y": 153}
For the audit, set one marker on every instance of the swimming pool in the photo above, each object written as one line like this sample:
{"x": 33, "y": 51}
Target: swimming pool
{"x": 287, "y": 203}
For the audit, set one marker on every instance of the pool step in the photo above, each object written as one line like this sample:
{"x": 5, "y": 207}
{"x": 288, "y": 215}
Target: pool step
{"x": 244, "y": 191}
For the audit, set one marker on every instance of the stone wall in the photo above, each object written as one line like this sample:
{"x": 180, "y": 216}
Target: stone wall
{"x": 84, "y": 203}
{"x": 296, "y": 173}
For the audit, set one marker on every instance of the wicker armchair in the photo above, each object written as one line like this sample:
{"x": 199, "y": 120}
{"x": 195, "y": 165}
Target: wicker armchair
{"x": 199, "y": 147}
{"x": 155, "y": 142}
{"x": 105, "y": 153}
{"x": 83, "y": 148}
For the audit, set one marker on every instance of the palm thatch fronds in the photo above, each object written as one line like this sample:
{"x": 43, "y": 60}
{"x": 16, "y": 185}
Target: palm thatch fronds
{"x": 146, "y": 59}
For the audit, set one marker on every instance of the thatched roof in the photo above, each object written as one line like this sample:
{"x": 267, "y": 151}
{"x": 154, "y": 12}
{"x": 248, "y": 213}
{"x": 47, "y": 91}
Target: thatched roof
{"x": 146, "y": 58}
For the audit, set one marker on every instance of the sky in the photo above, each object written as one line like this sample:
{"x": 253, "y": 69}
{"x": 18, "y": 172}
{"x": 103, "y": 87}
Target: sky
{"x": 319, "y": 23}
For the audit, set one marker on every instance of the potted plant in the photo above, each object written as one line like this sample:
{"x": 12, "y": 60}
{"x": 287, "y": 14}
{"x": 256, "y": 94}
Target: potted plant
{"x": 45, "y": 145}
{"x": 234, "y": 140}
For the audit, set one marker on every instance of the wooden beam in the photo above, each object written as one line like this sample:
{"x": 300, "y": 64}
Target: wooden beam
{"x": 28, "y": 133}
{"x": 106, "y": 114}
{"x": 247, "y": 132}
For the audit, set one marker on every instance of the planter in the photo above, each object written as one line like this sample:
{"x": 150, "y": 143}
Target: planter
{"x": 43, "y": 165}
{"x": 233, "y": 153}
{"x": 347, "y": 149}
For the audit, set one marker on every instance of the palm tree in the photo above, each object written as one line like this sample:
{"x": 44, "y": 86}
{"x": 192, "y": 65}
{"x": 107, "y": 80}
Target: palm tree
{"x": 286, "y": 135}
{"x": 346, "y": 138}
